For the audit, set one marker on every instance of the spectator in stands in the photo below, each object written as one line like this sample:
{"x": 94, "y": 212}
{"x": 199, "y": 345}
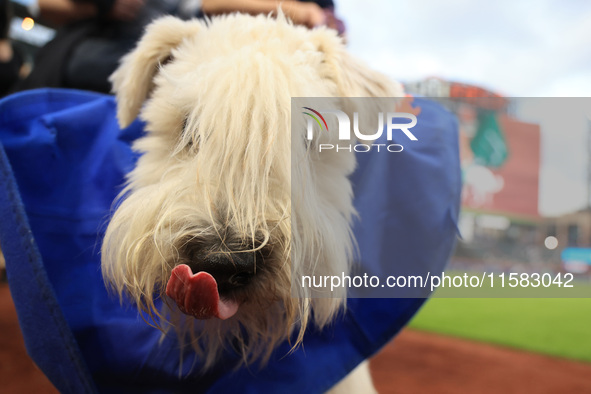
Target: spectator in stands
{"x": 10, "y": 60}
{"x": 97, "y": 33}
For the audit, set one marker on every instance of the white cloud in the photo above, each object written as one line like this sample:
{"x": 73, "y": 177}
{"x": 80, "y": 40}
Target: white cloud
{"x": 518, "y": 47}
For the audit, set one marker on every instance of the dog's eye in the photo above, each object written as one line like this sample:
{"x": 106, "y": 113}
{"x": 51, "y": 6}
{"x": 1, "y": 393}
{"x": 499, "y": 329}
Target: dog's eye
{"x": 192, "y": 145}
{"x": 189, "y": 143}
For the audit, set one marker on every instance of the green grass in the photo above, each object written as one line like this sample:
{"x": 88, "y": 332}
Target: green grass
{"x": 559, "y": 327}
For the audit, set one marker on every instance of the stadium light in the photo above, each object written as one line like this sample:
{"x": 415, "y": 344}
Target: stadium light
{"x": 28, "y": 24}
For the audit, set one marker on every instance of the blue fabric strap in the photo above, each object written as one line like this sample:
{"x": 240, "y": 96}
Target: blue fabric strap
{"x": 48, "y": 337}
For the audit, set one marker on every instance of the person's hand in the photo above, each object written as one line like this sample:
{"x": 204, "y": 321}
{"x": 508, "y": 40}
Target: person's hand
{"x": 304, "y": 13}
{"x": 301, "y": 13}
{"x": 126, "y": 10}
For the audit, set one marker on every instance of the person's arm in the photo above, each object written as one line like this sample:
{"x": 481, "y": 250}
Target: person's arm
{"x": 61, "y": 12}
{"x": 303, "y": 13}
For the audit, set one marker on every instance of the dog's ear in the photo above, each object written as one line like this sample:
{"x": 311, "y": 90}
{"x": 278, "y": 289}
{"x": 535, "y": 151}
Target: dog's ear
{"x": 133, "y": 80}
{"x": 352, "y": 77}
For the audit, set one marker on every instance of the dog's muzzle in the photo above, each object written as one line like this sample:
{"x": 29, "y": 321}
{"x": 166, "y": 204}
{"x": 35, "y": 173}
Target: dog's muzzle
{"x": 208, "y": 293}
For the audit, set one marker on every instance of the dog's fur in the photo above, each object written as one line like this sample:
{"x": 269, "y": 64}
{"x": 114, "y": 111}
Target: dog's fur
{"x": 216, "y": 176}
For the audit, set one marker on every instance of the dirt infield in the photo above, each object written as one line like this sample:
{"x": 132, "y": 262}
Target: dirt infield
{"x": 418, "y": 362}
{"x": 414, "y": 363}
{"x": 18, "y": 374}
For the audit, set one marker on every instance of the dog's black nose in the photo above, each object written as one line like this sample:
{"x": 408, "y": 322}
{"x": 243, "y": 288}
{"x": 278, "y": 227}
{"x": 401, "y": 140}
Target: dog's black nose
{"x": 230, "y": 270}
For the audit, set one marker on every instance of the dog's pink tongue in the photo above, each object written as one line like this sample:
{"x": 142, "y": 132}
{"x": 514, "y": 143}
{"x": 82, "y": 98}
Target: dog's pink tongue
{"x": 197, "y": 295}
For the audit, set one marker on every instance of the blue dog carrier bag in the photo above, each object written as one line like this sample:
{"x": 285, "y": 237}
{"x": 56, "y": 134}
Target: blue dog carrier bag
{"x": 62, "y": 162}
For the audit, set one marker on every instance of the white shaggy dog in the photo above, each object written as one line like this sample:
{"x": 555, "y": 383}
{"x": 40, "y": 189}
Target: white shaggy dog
{"x": 209, "y": 217}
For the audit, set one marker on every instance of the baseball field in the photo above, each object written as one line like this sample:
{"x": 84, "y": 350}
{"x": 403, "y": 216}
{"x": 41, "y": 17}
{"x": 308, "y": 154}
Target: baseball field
{"x": 491, "y": 346}
{"x": 427, "y": 357}
{"x": 557, "y": 327}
